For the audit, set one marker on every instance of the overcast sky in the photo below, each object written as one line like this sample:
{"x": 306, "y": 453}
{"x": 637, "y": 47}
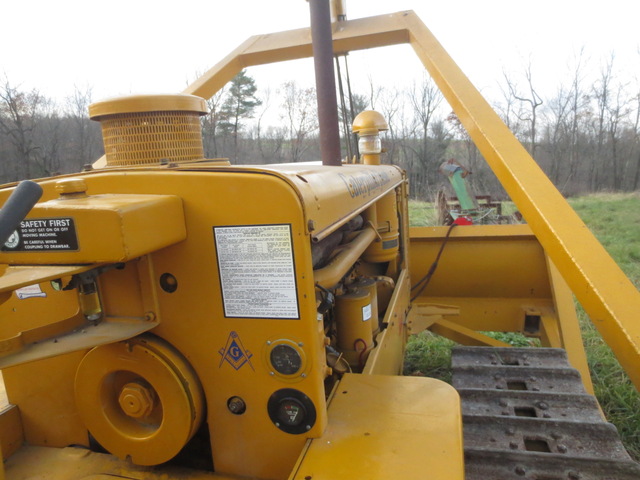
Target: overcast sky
{"x": 148, "y": 46}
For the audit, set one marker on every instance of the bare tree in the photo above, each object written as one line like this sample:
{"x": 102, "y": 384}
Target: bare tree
{"x": 425, "y": 99}
{"x": 85, "y": 136}
{"x": 299, "y": 109}
{"x": 556, "y": 132}
{"x": 389, "y": 104}
{"x": 579, "y": 101}
{"x": 616, "y": 113}
{"x": 49, "y": 132}
{"x": 636, "y": 136}
{"x": 265, "y": 99}
{"x": 210, "y": 123}
{"x": 532, "y": 100}
{"x": 18, "y": 118}
{"x": 602, "y": 92}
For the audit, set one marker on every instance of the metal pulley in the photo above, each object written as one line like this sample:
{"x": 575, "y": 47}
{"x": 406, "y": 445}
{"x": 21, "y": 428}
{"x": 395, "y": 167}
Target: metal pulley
{"x": 140, "y": 399}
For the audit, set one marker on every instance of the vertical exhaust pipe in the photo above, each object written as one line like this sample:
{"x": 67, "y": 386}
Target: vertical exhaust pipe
{"x": 322, "y": 43}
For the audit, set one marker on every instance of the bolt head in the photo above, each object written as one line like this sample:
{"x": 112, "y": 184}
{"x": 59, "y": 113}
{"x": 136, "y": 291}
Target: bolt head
{"x": 137, "y": 400}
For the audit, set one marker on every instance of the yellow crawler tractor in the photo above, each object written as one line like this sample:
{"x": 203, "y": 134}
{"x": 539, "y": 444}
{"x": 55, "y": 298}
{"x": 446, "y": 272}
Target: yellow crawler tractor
{"x": 167, "y": 316}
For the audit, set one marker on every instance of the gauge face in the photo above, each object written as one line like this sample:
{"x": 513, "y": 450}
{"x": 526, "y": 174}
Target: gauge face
{"x": 285, "y": 359}
{"x": 291, "y": 412}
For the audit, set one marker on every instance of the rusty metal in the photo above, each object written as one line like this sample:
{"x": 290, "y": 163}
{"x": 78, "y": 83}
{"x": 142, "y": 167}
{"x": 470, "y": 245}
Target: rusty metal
{"x": 325, "y": 82}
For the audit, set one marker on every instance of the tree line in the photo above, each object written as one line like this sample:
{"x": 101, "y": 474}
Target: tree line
{"x": 585, "y": 136}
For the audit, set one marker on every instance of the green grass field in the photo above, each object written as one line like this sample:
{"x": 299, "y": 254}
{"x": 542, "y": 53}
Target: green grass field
{"x": 615, "y": 221}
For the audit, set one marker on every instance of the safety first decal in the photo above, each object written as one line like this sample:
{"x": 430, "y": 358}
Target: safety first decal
{"x": 43, "y": 235}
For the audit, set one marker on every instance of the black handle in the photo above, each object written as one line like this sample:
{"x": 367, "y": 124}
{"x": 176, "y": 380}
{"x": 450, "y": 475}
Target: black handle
{"x": 17, "y": 206}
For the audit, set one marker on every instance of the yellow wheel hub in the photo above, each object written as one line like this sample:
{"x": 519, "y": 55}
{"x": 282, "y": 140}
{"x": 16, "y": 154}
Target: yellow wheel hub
{"x": 139, "y": 399}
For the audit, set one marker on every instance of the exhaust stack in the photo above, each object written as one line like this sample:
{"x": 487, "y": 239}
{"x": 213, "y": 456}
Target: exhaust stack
{"x": 322, "y": 43}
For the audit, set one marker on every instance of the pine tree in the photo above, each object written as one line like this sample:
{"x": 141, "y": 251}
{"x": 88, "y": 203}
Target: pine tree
{"x": 239, "y": 105}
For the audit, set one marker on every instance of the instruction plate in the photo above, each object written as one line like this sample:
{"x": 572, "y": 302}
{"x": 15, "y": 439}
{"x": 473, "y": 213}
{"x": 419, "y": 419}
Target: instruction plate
{"x": 257, "y": 271}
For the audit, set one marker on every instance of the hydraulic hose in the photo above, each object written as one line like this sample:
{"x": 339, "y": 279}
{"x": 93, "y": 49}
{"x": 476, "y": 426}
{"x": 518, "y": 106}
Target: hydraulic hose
{"x": 17, "y": 206}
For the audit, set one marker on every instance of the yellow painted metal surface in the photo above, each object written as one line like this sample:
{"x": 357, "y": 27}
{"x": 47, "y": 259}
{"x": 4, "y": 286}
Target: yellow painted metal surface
{"x": 333, "y": 195}
{"x": 374, "y": 417}
{"x": 12, "y": 437}
{"x": 568, "y": 326}
{"x": 229, "y": 352}
{"x": 47, "y": 406}
{"x": 151, "y": 400}
{"x": 349, "y": 35}
{"x": 147, "y": 103}
{"x": 492, "y": 261}
{"x": 463, "y": 335}
{"x": 495, "y": 276}
{"x": 423, "y": 315}
{"x": 369, "y": 122}
{"x": 329, "y": 275}
{"x": 202, "y": 264}
{"x": 19, "y": 276}
{"x": 107, "y": 229}
{"x": 387, "y": 357}
{"x": 70, "y": 335}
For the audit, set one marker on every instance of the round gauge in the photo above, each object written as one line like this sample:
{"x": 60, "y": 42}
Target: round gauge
{"x": 285, "y": 359}
{"x": 291, "y": 412}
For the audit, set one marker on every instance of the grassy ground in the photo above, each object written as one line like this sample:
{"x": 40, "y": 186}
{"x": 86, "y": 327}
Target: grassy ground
{"x": 615, "y": 220}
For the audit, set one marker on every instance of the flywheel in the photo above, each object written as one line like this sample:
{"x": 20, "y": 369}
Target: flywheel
{"x": 140, "y": 399}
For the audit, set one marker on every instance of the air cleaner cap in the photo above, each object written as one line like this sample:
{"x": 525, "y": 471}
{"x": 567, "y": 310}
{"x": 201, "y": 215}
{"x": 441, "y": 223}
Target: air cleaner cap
{"x": 150, "y": 129}
{"x": 148, "y": 103}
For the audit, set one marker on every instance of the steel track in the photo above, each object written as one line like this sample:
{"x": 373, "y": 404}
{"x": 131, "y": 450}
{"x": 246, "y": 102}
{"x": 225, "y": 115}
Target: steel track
{"x": 526, "y": 416}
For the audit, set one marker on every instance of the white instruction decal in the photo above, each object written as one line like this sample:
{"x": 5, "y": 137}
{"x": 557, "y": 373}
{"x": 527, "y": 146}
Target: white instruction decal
{"x": 257, "y": 271}
{"x": 30, "y": 291}
{"x": 366, "y": 312}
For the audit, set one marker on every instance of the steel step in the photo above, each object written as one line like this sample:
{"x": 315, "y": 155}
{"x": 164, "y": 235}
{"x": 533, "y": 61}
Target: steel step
{"x": 527, "y": 416}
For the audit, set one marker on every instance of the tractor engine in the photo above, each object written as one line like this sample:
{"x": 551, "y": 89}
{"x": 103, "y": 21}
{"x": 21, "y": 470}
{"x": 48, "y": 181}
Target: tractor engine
{"x": 168, "y": 305}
